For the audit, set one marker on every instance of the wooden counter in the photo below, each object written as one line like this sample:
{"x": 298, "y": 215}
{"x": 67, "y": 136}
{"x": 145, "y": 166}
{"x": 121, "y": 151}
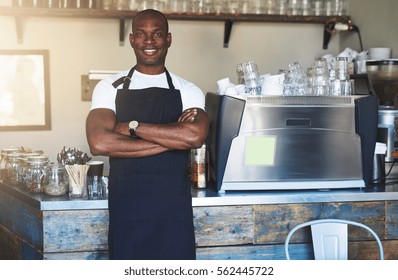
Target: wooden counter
{"x": 228, "y": 226}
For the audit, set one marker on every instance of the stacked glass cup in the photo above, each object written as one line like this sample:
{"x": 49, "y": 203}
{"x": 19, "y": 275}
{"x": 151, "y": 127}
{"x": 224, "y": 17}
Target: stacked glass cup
{"x": 295, "y": 81}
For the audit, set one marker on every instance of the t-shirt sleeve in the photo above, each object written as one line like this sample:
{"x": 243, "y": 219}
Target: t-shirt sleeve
{"x": 192, "y": 97}
{"x": 104, "y": 95}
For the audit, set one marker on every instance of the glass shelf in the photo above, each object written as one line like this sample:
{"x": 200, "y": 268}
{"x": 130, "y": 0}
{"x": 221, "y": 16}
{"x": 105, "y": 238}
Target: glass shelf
{"x": 123, "y": 15}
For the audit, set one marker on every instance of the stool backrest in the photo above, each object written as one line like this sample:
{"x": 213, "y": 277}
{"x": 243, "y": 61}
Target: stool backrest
{"x": 329, "y": 238}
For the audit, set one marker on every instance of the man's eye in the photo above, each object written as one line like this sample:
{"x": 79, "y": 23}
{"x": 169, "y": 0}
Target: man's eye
{"x": 158, "y": 34}
{"x": 139, "y": 34}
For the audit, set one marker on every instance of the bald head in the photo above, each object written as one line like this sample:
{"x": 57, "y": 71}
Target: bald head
{"x": 150, "y": 14}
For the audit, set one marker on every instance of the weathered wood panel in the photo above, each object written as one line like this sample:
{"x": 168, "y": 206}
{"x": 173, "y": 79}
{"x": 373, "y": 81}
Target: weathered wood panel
{"x": 363, "y": 250}
{"x": 272, "y": 223}
{"x": 22, "y": 219}
{"x": 390, "y": 249}
{"x": 391, "y": 220}
{"x": 14, "y": 248}
{"x": 75, "y": 230}
{"x": 250, "y": 252}
{"x": 228, "y": 225}
{"x": 93, "y": 255}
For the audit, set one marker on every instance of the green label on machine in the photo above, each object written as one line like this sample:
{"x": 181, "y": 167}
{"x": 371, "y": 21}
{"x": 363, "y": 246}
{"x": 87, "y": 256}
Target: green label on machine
{"x": 260, "y": 150}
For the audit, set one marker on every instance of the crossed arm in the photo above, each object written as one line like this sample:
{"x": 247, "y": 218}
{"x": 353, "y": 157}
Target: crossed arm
{"x": 108, "y": 138}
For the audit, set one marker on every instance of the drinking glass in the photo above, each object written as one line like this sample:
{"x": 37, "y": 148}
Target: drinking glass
{"x": 318, "y": 8}
{"x": 240, "y": 74}
{"x": 269, "y": 7}
{"x": 320, "y": 78}
{"x": 219, "y": 6}
{"x": 306, "y": 7}
{"x": 294, "y": 7}
{"x": 252, "y": 78}
{"x": 342, "y": 68}
{"x": 233, "y": 6}
{"x": 295, "y": 82}
{"x": 281, "y": 7}
{"x": 258, "y": 6}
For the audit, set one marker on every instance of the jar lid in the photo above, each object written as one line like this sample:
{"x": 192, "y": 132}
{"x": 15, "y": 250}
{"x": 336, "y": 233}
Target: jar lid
{"x": 38, "y": 159}
{"x": 56, "y": 166}
{"x": 9, "y": 150}
{"x": 14, "y": 155}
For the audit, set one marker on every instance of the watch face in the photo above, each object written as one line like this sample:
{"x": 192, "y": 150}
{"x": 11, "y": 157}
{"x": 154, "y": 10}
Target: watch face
{"x": 133, "y": 125}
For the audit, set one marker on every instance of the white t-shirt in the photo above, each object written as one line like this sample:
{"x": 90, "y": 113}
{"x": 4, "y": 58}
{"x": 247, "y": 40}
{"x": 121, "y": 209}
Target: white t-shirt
{"x": 104, "y": 94}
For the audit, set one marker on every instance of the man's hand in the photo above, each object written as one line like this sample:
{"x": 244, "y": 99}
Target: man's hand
{"x": 188, "y": 115}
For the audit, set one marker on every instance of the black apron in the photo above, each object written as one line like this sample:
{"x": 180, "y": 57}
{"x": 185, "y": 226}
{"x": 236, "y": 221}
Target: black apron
{"x": 150, "y": 203}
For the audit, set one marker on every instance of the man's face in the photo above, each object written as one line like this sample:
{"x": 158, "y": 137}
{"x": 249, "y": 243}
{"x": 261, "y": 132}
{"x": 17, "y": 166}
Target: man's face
{"x": 150, "y": 41}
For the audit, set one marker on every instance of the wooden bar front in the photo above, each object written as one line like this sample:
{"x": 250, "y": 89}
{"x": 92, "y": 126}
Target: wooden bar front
{"x": 28, "y": 230}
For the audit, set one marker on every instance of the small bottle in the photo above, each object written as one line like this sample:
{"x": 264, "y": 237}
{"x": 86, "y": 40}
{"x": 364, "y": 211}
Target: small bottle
{"x": 199, "y": 167}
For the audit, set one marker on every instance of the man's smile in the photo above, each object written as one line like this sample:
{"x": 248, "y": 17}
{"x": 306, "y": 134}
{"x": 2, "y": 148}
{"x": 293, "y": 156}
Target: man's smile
{"x": 150, "y": 51}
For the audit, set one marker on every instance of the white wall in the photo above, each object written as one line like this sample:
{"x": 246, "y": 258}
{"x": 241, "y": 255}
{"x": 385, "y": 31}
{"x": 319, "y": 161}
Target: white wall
{"x": 79, "y": 45}
{"x": 377, "y": 21}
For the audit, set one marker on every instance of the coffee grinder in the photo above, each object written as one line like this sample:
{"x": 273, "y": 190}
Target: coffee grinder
{"x": 383, "y": 78}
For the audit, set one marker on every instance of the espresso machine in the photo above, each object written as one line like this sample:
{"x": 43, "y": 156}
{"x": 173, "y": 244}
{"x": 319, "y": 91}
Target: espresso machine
{"x": 290, "y": 142}
{"x": 383, "y": 78}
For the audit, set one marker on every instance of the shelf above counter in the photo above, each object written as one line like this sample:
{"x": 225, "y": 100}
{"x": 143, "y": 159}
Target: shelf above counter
{"x": 122, "y": 15}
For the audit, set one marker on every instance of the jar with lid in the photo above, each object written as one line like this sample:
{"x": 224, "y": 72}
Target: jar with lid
{"x": 58, "y": 181}
{"x": 4, "y": 153}
{"x": 21, "y": 169}
{"x": 37, "y": 173}
{"x": 12, "y": 168}
{"x": 198, "y": 169}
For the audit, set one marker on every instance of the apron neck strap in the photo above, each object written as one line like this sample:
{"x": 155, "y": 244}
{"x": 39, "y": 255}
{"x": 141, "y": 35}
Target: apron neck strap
{"x": 169, "y": 81}
{"x": 126, "y": 80}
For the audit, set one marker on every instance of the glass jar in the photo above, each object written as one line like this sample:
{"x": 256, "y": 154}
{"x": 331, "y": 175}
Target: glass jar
{"x": 21, "y": 169}
{"x": 37, "y": 173}
{"x": 12, "y": 168}
{"x": 58, "y": 182}
{"x": 4, "y": 153}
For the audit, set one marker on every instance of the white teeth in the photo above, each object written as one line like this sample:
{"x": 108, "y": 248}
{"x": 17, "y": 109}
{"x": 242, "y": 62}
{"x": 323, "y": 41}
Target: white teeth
{"x": 149, "y": 51}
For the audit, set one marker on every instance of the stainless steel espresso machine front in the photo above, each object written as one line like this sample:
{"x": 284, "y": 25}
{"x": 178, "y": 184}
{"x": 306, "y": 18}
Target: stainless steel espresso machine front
{"x": 290, "y": 142}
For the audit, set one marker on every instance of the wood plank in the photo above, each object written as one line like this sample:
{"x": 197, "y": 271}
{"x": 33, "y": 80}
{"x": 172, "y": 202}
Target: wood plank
{"x": 249, "y": 252}
{"x": 22, "y": 219}
{"x": 66, "y": 231}
{"x": 228, "y": 225}
{"x": 391, "y": 220}
{"x": 273, "y": 222}
{"x": 14, "y": 248}
{"x": 93, "y": 255}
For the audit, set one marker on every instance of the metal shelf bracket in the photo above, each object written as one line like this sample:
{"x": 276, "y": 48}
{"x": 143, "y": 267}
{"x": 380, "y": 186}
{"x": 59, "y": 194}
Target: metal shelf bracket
{"x": 227, "y": 31}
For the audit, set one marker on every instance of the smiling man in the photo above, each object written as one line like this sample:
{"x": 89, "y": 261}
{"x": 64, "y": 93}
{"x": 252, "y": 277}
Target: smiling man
{"x": 146, "y": 120}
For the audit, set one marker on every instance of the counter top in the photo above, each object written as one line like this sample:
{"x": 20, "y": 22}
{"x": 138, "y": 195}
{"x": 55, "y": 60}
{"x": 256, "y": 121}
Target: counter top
{"x": 209, "y": 197}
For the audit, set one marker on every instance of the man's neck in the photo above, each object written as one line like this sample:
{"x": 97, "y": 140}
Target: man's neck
{"x": 150, "y": 70}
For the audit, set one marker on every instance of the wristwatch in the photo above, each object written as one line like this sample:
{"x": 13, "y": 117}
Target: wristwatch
{"x": 133, "y": 127}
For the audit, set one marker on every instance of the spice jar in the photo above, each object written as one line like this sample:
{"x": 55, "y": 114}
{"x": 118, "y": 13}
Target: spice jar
{"x": 37, "y": 173}
{"x": 4, "y": 157}
{"x": 58, "y": 181}
{"x": 12, "y": 169}
{"x": 21, "y": 169}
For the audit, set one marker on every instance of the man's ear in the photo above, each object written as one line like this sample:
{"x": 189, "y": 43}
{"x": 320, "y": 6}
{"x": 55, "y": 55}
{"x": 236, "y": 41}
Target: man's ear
{"x": 169, "y": 39}
{"x": 131, "y": 39}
